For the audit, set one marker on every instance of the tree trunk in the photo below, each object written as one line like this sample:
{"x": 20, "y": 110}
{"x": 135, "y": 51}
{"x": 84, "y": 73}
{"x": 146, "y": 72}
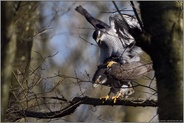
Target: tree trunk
{"x": 8, "y": 49}
{"x": 17, "y": 31}
{"x": 163, "y": 20}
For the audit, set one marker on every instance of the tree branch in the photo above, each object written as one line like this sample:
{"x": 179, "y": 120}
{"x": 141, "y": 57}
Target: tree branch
{"x": 125, "y": 102}
{"x": 77, "y": 101}
{"x": 136, "y": 14}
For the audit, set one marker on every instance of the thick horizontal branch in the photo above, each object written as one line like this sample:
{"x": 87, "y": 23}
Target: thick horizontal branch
{"x": 77, "y": 101}
{"x": 124, "y": 102}
{"x": 49, "y": 115}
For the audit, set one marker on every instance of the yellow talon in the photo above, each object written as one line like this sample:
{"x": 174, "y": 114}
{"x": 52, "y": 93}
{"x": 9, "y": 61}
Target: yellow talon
{"x": 116, "y": 97}
{"x": 106, "y": 97}
{"x": 109, "y": 64}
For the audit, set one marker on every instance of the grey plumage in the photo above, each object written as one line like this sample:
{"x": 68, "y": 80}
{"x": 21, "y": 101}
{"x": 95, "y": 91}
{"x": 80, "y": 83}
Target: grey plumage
{"x": 98, "y": 24}
{"x": 114, "y": 40}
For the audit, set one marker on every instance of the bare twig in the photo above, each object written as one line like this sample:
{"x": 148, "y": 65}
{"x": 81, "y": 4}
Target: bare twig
{"x": 120, "y": 13}
{"x": 88, "y": 41}
{"x": 136, "y": 14}
{"x": 115, "y": 11}
{"x": 87, "y": 28}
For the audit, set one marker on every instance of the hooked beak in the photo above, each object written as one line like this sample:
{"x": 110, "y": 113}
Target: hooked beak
{"x": 96, "y": 83}
{"x": 98, "y": 40}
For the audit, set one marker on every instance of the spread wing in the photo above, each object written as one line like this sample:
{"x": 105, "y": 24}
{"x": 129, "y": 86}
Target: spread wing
{"x": 128, "y": 71}
{"x": 122, "y": 25}
{"x": 98, "y": 24}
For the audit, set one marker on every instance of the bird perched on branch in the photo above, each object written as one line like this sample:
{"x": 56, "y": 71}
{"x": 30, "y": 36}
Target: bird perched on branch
{"x": 114, "y": 40}
{"x": 119, "y": 77}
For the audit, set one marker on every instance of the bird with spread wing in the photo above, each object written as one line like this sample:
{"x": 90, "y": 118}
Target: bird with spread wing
{"x": 119, "y": 58}
{"x": 114, "y": 40}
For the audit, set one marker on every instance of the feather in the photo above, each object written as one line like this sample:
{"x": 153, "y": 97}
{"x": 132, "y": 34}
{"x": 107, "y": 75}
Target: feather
{"x": 98, "y": 24}
{"x": 128, "y": 71}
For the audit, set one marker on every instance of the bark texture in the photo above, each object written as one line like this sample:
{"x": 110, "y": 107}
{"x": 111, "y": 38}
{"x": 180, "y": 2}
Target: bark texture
{"x": 8, "y": 53}
{"x": 18, "y": 19}
{"x": 163, "y": 20}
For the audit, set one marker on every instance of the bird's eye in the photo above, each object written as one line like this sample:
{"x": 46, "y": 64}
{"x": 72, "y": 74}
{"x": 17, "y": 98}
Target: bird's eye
{"x": 99, "y": 36}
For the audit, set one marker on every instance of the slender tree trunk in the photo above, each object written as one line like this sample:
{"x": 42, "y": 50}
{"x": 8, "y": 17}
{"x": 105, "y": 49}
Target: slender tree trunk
{"x": 8, "y": 49}
{"x": 18, "y": 19}
{"x": 163, "y": 20}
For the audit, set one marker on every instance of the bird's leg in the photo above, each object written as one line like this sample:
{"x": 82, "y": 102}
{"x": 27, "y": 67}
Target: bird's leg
{"x": 110, "y": 63}
{"x": 125, "y": 91}
{"x": 116, "y": 89}
{"x": 106, "y": 97}
{"x": 116, "y": 97}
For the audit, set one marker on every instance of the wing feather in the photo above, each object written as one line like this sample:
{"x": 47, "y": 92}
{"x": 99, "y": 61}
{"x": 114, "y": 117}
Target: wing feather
{"x": 128, "y": 71}
{"x": 98, "y": 24}
{"x": 122, "y": 25}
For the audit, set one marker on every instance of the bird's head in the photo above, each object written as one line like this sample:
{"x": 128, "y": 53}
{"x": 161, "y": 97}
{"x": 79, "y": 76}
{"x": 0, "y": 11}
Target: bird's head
{"x": 97, "y": 36}
{"x": 100, "y": 78}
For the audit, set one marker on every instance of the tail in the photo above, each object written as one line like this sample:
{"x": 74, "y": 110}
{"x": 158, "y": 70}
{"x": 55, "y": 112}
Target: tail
{"x": 98, "y": 24}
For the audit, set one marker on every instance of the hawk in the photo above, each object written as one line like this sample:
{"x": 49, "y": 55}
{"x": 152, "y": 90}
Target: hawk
{"x": 114, "y": 40}
{"x": 119, "y": 76}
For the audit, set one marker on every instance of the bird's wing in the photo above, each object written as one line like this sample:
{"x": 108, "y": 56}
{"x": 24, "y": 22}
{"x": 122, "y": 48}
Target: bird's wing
{"x": 122, "y": 25}
{"x": 98, "y": 24}
{"x": 129, "y": 71}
